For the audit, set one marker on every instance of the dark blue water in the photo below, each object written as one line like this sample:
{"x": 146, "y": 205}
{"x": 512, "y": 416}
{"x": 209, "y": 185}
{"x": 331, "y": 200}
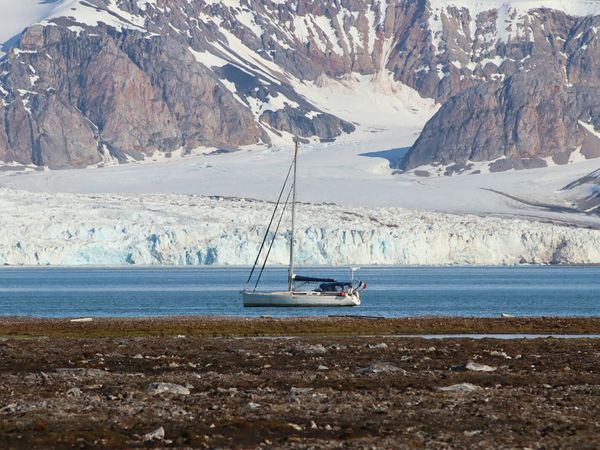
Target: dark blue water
{"x": 393, "y": 292}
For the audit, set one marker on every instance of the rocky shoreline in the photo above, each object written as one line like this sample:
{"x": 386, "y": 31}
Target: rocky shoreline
{"x": 195, "y": 383}
{"x": 268, "y": 326}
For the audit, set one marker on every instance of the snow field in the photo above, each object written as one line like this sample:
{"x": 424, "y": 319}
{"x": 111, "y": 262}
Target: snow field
{"x": 16, "y": 15}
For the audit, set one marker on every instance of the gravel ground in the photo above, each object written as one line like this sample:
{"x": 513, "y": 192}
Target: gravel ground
{"x": 190, "y": 391}
{"x": 304, "y": 326}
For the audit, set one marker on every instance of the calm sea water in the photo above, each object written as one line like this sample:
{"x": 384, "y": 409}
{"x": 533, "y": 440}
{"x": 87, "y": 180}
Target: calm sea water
{"x": 393, "y": 291}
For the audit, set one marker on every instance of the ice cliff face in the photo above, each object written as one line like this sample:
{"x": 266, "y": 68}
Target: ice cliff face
{"x": 66, "y": 229}
{"x": 121, "y": 79}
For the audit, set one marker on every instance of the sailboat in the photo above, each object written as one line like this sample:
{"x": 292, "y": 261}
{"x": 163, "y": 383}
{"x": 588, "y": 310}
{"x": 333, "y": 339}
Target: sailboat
{"x": 328, "y": 291}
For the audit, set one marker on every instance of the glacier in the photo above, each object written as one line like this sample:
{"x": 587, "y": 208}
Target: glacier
{"x": 110, "y": 229}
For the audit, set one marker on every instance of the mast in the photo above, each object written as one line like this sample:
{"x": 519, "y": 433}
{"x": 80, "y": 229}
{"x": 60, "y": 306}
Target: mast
{"x": 291, "y": 266}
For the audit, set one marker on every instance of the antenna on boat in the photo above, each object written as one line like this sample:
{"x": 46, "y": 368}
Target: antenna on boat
{"x": 291, "y": 266}
{"x": 353, "y": 269}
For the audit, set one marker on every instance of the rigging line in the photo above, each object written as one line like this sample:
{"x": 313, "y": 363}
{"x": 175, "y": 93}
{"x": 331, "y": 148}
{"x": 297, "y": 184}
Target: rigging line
{"x": 270, "y": 223}
{"x": 287, "y": 200}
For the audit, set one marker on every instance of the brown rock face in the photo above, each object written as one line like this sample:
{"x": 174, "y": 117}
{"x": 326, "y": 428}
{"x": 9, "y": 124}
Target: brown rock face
{"x": 528, "y": 116}
{"x": 90, "y": 96}
{"x": 128, "y": 110}
{"x": 290, "y": 120}
{"x": 65, "y": 136}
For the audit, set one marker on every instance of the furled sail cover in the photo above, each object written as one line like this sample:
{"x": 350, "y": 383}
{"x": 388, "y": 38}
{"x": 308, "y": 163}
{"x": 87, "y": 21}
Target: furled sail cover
{"x": 302, "y": 279}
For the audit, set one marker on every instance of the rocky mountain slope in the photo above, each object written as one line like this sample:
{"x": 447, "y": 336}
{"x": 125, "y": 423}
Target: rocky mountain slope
{"x": 532, "y": 99}
{"x": 102, "y": 80}
{"x": 584, "y": 192}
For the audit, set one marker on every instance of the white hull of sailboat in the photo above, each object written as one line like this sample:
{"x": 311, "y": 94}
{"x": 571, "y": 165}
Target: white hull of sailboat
{"x": 306, "y": 299}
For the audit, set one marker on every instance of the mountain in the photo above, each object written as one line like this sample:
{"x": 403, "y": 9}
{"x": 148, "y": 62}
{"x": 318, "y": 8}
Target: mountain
{"x": 118, "y": 80}
{"x": 530, "y": 92}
